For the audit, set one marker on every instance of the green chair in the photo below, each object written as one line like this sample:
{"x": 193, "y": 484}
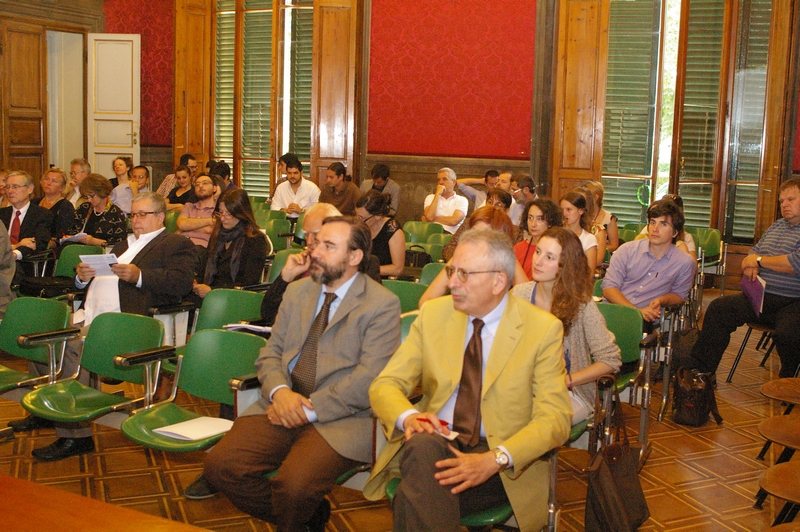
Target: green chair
{"x": 70, "y": 257}
{"x": 276, "y": 230}
{"x": 418, "y": 232}
{"x": 636, "y": 227}
{"x": 263, "y": 216}
{"x": 627, "y": 235}
{"x": 408, "y": 292}
{"x": 440, "y": 238}
{"x": 714, "y": 253}
{"x": 405, "y": 325}
{"x": 430, "y": 271}
{"x": 110, "y": 334}
{"x": 279, "y": 262}
{"x": 28, "y": 316}
{"x": 212, "y": 357}
{"x": 171, "y": 221}
{"x": 299, "y": 234}
{"x": 598, "y": 288}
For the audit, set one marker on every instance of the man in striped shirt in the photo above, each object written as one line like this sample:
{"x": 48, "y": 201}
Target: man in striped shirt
{"x": 776, "y": 258}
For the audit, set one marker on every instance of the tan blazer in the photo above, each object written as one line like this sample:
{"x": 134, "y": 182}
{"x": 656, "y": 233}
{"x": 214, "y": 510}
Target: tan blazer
{"x": 524, "y": 404}
{"x": 359, "y": 340}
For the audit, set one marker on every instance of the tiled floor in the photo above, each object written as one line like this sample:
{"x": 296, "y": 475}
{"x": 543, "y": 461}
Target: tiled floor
{"x": 695, "y": 479}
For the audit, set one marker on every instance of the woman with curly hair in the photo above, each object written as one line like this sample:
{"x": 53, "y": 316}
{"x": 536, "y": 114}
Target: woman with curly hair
{"x": 539, "y": 215}
{"x": 561, "y": 286}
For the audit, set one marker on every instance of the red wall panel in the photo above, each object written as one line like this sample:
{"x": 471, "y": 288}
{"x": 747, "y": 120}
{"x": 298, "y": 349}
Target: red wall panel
{"x": 451, "y": 77}
{"x": 154, "y": 21}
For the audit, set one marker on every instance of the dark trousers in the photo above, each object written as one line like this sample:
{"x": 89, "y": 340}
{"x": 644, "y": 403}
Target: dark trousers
{"x": 421, "y": 503}
{"x": 726, "y": 314}
{"x": 307, "y": 470}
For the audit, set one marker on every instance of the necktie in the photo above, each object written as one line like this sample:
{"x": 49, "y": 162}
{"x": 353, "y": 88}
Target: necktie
{"x": 14, "y": 234}
{"x": 467, "y": 412}
{"x": 304, "y": 374}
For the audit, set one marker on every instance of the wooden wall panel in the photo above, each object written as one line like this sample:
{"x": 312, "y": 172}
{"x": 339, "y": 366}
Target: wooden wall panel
{"x": 580, "y": 92}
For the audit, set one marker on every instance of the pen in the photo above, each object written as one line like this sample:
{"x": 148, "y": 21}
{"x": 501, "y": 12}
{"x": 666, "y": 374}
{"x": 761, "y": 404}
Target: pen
{"x": 426, "y": 420}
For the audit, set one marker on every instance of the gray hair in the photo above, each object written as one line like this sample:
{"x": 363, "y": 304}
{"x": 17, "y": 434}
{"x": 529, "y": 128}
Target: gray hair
{"x": 449, "y": 171}
{"x": 326, "y": 210}
{"x": 156, "y": 200}
{"x": 501, "y": 252}
{"x": 25, "y": 176}
{"x": 83, "y": 163}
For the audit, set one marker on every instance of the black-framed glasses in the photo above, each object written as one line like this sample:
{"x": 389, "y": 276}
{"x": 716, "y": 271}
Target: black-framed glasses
{"x": 219, "y": 215}
{"x": 141, "y": 214}
{"x": 463, "y": 274}
{"x": 365, "y": 220}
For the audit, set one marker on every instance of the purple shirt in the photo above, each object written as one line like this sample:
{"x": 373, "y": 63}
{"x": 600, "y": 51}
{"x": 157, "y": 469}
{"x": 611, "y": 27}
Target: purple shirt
{"x": 641, "y": 277}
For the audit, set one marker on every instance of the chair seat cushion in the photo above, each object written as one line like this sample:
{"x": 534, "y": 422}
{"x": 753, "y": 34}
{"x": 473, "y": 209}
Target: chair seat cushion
{"x": 9, "y": 378}
{"x": 140, "y": 428}
{"x": 70, "y": 402}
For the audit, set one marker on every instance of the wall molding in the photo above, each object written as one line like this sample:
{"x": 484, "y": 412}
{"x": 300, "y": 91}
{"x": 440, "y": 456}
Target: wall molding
{"x": 57, "y": 13}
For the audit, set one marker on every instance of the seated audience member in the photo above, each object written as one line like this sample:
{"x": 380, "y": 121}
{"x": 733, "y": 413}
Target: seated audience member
{"x": 141, "y": 175}
{"x": 505, "y": 394}
{"x": 495, "y": 198}
{"x": 313, "y": 421}
{"x": 169, "y": 182}
{"x": 121, "y": 167}
{"x": 103, "y": 222}
{"x": 78, "y": 170}
{"x": 296, "y": 194}
{"x": 487, "y": 217}
{"x": 281, "y": 177}
{"x": 53, "y": 183}
{"x": 652, "y": 273}
{"x": 183, "y": 192}
{"x": 525, "y": 190}
{"x": 338, "y": 191}
{"x": 539, "y": 215}
{"x": 602, "y": 217}
{"x": 8, "y": 267}
{"x": 154, "y": 268}
{"x": 561, "y": 286}
{"x": 381, "y": 182}
{"x": 478, "y": 197}
{"x": 237, "y": 248}
{"x": 196, "y": 221}
{"x": 577, "y": 219}
{"x": 685, "y": 241}
{"x": 388, "y": 239}
{"x": 776, "y": 259}
{"x": 28, "y": 224}
{"x": 3, "y": 195}
{"x": 444, "y": 206}
{"x": 504, "y": 182}
{"x": 223, "y": 170}
{"x": 596, "y": 229}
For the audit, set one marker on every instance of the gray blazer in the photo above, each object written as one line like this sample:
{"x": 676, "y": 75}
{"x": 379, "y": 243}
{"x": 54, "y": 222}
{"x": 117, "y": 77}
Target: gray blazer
{"x": 7, "y": 268}
{"x": 360, "y": 338}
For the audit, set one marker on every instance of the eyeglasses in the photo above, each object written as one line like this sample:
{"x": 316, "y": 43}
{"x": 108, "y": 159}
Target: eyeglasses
{"x": 365, "y": 219}
{"x": 14, "y": 187}
{"x": 141, "y": 214}
{"x": 463, "y": 274}
{"x": 220, "y": 215}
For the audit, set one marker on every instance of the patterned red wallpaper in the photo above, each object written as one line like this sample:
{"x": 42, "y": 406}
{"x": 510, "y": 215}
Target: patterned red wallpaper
{"x": 451, "y": 77}
{"x": 154, "y": 20}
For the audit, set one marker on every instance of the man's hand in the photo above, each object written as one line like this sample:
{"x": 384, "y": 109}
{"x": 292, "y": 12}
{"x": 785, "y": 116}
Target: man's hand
{"x": 287, "y": 407}
{"x": 294, "y": 208}
{"x": 201, "y": 290}
{"x": 652, "y": 311}
{"x": 750, "y": 266}
{"x": 439, "y": 190}
{"x": 425, "y": 422}
{"x": 92, "y": 241}
{"x": 466, "y": 470}
{"x": 29, "y": 242}
{"x": 85, "y": 272}
{"x": 126, "y": 272}
{"x": 296, "y": 265}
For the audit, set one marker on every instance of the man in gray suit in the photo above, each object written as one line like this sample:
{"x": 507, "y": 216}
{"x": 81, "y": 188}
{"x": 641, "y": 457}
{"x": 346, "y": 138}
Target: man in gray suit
{"x": 312, "y": 426}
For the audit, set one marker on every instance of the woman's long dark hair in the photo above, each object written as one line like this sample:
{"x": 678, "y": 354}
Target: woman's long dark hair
{"x": 573, "y": 286}
{"x": 238, "y": 204}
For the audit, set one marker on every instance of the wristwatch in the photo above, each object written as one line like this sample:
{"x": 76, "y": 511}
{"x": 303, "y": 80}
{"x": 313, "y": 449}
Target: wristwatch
{"x": 500, "y": 457}
{"x": 758, "y": 260}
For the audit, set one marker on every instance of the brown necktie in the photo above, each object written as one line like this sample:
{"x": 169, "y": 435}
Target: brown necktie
{"x": 14, "y": 234}
{"x": 304, "y": 374}
{"x": 467, "y": 412}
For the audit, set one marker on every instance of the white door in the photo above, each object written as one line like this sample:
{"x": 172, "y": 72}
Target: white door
{"x": 113, "y": 102}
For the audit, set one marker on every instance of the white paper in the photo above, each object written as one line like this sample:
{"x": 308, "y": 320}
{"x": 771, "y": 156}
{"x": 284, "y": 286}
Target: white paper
{"x": 101, "y": 264}
{"x": 247, "y": 327}
{"x": 73, "y": 238}
{"x": 196, "y": 429}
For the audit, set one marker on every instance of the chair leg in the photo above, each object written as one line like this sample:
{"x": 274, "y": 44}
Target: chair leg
{"x": 739, "y": 355}
{"x": 783, "y": 515}
{"x": 761, "y": 340}
{"x": 761, "y": 496}
{"x": 552, "y": 502}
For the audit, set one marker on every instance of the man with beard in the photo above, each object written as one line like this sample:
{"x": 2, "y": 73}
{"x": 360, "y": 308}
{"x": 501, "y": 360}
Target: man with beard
{"x": 332, "y": 336}
{"x": 296, "y": 194}
{"x": 196, "y": 220}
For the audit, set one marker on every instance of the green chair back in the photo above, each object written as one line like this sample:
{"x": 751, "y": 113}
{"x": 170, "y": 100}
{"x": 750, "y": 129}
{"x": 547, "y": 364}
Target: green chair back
{"x": 636, "y": 227}
{"x": 628, "y": 235}
{"x": 115, "y": 333}
{"x": 626, "y": 324}
{"x": 70, "y": 257}
{"x": 711, "y": 242}
{"x": 694, "y": 231}
{"x": 257, "y": 202}
{"x": 28, "y": 315}
{"x": 225, "y": 305}
{"x": 298, "y": 227}
{"x": 171, "y": 220}
{"x": 598, "y": 288}
{"x": 430, "y": 271}
{"x": 273, "y": 228}
{"x": 408, "y": 292}
{"x": 263, "y": 216}
{"x": 279, "y": 262}
{"x": 418, "y": 232}
{"x": 212, "y": 358}
{"x": 405, "y": 325}
{"x": 440, "y": 238}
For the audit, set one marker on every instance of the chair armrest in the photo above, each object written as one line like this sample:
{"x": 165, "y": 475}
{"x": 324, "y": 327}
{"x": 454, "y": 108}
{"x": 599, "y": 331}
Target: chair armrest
{"x": 244, "y": 382}
{"x": 142, "y": 357}
{"x": 651, "y": 340}
{"x": 27, "y": 340}
{"x": 184, "y": 306}
{"x": 260, "y": 287}
{"x": 285, "y": 235}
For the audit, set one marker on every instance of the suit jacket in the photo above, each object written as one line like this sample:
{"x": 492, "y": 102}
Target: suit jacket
{"x": 359, "y": 339}
{"x": 524, "y": 402}
{"x": 7, "y": 268}
{"x": 37, "y": 224}
{"x": 167, "y": 263}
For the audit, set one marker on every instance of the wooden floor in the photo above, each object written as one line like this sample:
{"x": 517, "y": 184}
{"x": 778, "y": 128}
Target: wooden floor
{"x": 695, "y": 479}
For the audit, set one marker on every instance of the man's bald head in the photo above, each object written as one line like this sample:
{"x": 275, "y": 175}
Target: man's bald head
{"x": 312, "y": 221}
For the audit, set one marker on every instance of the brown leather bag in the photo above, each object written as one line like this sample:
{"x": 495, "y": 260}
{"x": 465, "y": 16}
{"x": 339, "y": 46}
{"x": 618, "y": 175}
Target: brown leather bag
{"x": 693, "y": 398}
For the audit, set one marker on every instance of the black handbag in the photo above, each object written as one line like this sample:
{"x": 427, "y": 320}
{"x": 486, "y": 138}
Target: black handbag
{"x": 47, "y": 286}
{"x": 693, "y": 398}
{"x": 417, "y": 256}
{"x": 614, "y": 499}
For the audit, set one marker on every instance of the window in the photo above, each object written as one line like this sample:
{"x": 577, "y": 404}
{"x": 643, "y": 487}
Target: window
{"x": 268, "y": 122}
